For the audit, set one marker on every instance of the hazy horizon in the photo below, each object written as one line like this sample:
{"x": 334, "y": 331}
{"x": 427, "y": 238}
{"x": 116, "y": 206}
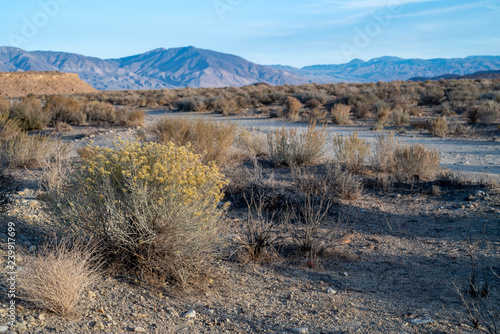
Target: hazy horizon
{"x": 289, "y": 33}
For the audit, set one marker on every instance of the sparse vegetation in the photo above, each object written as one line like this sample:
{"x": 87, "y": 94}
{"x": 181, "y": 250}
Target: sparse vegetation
{"x": 439, "y": 127}
{"x": 154, "y": 207}
{"x": 416, "y": 162}
{"x": 157, "y": 206}
{"x": 212, "y": 140}
{"x": 57, "y": 276}
{"x": 29, "y": 115}
{"x": 293, "y": 148}
{"x": 341, "y": 114}
{"x": 351, "y": 151}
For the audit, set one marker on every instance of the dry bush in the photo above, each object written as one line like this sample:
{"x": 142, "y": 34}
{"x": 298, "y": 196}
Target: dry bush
{"x": 317, "y": 115}
{"x": 311, "y": 231}
{"x": 383, "y": 113}
{"x": 489, "y": 112}
{"x": 63, "y": 127}
{"x": 462, "y": 130}
{"x": 400, "y": 116}
{"x": 130, "y": 117}
{"x": 362, "y": 109}
{"x": 23, "y": 150}
{"x": 331, "y": 179}
{"x": 226, "y": 106}
{"x": 383, "y": 153}
{"x": 8, "y": 128}
{"x": 193, "y": 103}
{"x": 292, "y": 106}
{"x": 433, "y": 95}
{"x": 416, "y": 111}
{"x": 65, "y": 109}
{"x": 439, "y": 127}
{"x": 4, "y": 106}
{"x": 100, "y": 112}
{"x": 212, "y": 140}
{"x": 56, "y": 278}
{"x": 252, "y": 143}
{"x": 29, "y": 115}
{"x": 351, "y": 151}
{"x": 154, "y": 208}
{"x": 292, "y": 148}
{"x": 341, "y": 114}
{"x": 260, "y": 235}
{"x": 416, "y": 162}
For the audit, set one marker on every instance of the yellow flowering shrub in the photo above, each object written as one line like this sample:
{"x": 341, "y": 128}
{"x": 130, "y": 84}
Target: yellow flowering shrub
{"x": 157, "y": 205}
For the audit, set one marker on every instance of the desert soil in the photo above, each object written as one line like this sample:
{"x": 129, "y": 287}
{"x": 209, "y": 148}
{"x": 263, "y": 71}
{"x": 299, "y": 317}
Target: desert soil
{"x": 394, "y": 272}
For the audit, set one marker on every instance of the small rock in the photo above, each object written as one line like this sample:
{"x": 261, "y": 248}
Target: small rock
{"x": 189, "y": 314}
{"x": 99, "y": 325}
{"x": 345, "y": 274}
{"x": 172, "y": 311}
{"x": 91, "y": 294}
{"x": 4, "y": 329}
{"x": 140, "y": 330}
{"x": 301, "y": 330}
{"x": 109, "y": 317}
{"x": 100, "y": 310}
{"x": 421, "y": 321}
{"x": 41, "y": 316}
{"x": 2, "y": 311}
{"x": 331, "y": 291}
{"x": 21, "y": 326}
{"x": 30, "y": 318}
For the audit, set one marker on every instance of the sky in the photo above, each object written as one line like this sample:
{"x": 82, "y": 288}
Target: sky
{"x": 287, "y": 32}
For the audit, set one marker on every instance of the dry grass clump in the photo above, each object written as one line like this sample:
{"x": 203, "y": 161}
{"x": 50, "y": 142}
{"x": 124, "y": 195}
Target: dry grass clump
{"x": 65, "y": 109}
{"x": 212, "y": 140}
{"x": 400, "y": 116}
{"x": 100, "y": 112}
{"x": 383, "y": 153}
{"x": 56, "y": 278}
{"x": 226, "y": 106}
{"x": 29, "y": 114}
{"x": 4, "y": 106}
{"x": 351, "y": 151}
{"x": 383, "y": 113}
{"x": 9, "y": 128}
{"x": 489, "y": 112}
{"x": 260, "y": 238}
{"x": 292, "y": 109}
{"x": 341, "y": 114}
{"x": 293, "y": 148}
{"x": 130, "y": 117}
{"x": 416, "y": 162}
{"x": 193, "y": 103}
{"x": 19, "y": 149}
{"x": 155, "y": 208}
{"x": 331, "y": 179}
{"x": 439, "y": 127}
{"x": 309, "y": 224}
{"x": 252, "y": 143}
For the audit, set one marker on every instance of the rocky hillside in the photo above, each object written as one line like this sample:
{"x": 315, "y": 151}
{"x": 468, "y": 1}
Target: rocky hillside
{"x": 17, "y": 84}
{"x": 491, "y": 75}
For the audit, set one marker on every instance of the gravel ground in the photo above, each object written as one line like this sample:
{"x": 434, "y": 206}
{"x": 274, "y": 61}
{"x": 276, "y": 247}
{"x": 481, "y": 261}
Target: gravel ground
{"x": 395, "y": 272}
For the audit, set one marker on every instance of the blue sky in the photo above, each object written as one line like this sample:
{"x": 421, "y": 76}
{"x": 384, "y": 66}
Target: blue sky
{"x": 288, "y": 32}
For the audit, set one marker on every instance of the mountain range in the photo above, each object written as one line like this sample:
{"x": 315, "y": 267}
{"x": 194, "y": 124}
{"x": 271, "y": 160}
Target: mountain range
{"x": 194, "y": 67}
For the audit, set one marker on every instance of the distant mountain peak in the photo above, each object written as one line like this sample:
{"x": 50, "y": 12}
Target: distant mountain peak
{"x": 155, "y": 69}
